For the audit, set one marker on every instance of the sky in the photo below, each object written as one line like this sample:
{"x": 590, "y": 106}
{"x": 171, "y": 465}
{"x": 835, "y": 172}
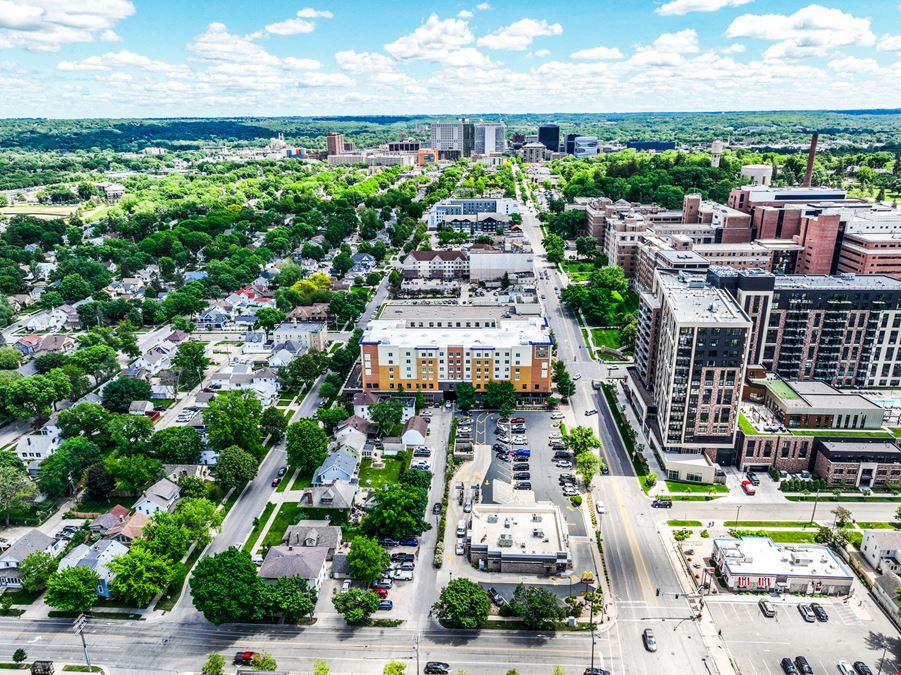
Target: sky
{"x": 167, "y": 58}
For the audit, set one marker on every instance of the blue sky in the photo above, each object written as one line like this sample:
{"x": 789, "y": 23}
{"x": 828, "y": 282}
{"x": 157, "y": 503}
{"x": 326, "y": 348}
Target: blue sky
{"x": 144, "y": 58}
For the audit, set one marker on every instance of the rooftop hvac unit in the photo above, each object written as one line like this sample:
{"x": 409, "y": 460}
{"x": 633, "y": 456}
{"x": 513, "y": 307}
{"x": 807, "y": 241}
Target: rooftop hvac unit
{"x": 506, "y": 523}
{"x": 536, "y": 518}
{"x": 492, "y": 517}
{"x": 505, "y": 541}
{"x": 538, "y": 533}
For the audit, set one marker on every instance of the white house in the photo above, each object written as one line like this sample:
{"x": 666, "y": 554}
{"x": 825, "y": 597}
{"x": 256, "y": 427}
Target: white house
{"x": 161, "y": 496}
{"x": 209, "y": 457}
{"x": 96, "y": 558}
{"x": 39, "y": 445}
{"x": 254, "y": 343}
{"x": 32, "y": 541}
{"x": 340, "y": 465}
{"x": 309, "y": 334}
{"x": 49, "y": 319}
{"x": 364, "y": 399}
{"x": 882, "y": 549}
{"x": 415, "y": 431}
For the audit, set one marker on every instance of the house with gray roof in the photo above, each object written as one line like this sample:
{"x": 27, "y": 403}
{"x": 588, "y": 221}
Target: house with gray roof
{"x": 161, "y": 496}
{"x": 32, "y": 541}
{"x": 314, "y": 533}
{"x": 287, "y": 561}
{"x": 340, "y": 465}
{"x": 338, "y": 495}
{"x": 96, "y": 558}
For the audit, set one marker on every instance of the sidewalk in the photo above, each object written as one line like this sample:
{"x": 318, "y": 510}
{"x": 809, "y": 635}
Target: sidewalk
{"x": 640, "y": 439}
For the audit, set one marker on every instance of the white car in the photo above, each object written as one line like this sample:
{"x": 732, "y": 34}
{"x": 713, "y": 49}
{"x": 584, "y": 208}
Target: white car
{"x": 401, "y": 575}
{"x": 519, "y": 440}
{"x": 345, "y": 586}
{"x": 600, "y": 508}
{"x": 564, "y": 465}
{"x": 459, "y": 548}
{"x": 577, "y": 376}
{"x": 570, "y": 491}
{"x": 845, "y": 668}
{"x": 557, "y": 416}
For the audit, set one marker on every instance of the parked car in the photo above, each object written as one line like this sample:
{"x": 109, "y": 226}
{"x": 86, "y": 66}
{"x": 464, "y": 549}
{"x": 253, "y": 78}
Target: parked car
{"x": 577, "y": 376}
{"x": 381, "y": 592}
{"x": 788, "y": 666}
{"x": 845, "y": 668}
{"x": 387, "y": 542}
{"x": 862, "y": 668}
{"x": 662, "y": 504}
{"x": 276, "y": 481}
{"x": 564, "y": 464}
{"x": 401, "y": 575}
{"x": 521, "y": 466}
{"x": 503, "y": 458}
{"x": 589, "y": 413}
{"x": 595, "y": 671}
{"x": 803, "y": 666}
{"x": 522, "y": 486}
{"x": 519, "y": 440}
{"x": 496, "y": 597}
{"x": 409, "y": 541}
{"x": 500, "y": 447}
{"x": 819, "y": 612}
{"x": 650, "y": 642}
{"x": 468, "y": 506}
{"x": 748, "y": 488}
{"x": 345, "y": 586}
{"x": 282, "y": 471}
{"x": 436, "y": 668}
{"x": 460, "y": 549}
{"x": 752, "y": 478}
{"x": 436, "y": 508}
{"x": 518, "y": 420}
{"x": 402, "y": 557}
{"x": 557, "y": 415}
{"x": 384, "y": 582}
{"x": 600, "y": 508}
{"x": 243, "y": 658}
{"x": 807, "y": 613}
{"x": 386, "y": 605}
{"x": 522, "y": 475}
{"x": 766, "y": 608}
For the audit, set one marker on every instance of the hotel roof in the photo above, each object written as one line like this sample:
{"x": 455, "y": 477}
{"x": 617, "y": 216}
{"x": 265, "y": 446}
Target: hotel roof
{"x": 844, "y": 282}
{"x": 507, "y": 334}
{"x": 693, "y": 301}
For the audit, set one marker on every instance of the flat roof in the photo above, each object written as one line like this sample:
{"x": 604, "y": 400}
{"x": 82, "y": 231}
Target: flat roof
{"x": 761, "y": 556}
{"x": 419, "y": 310}
{"x": 694, "y": 301}
{"x": 509, "y": 333}
{"x": 533, "y": 529}
{"x": 860, "y": 449}
{"x": 845, "y": 282}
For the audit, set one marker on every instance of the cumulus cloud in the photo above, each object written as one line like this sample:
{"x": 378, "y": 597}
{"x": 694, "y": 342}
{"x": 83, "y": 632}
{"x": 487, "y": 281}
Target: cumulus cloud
{"x": 736, "y": 48}
{"x": 680, "y": 7}
{"x": 290, "y": 27}
{"x": 310, "y": 13}
{"x": 598, "y": 54}
{"x": 47, "y": 25}
{"x": 518, "y": 36}
{"x": 435, "y": 35}
{"x": 890, "y": 43}
{"x": 482, "y": 6}
{"x": 363, "y": 62}
{"x": 811, "y": 31}
{"x": 465, "y": 14}
{"x": 683, "y": 42}
{"x": 124, "y": 59}
{"x": 538, "y": 54}
{"x": 852, "y": 65}
{"x": 216, "y": 44}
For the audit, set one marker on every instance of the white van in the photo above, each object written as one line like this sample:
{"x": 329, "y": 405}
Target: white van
{"x": 599, "y": 505}
{"x": 461, "y": 528}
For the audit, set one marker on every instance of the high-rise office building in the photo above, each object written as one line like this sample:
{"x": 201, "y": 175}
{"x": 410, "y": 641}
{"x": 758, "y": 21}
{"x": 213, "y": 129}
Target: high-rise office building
{"x": 335, "y": 143}
{"x": 585, "y": 146}
{"x": 549, "y": 136}
{"x": 570, "y": 143}
{"x": 453, "y": 138}
{"x": 490, "y": 137}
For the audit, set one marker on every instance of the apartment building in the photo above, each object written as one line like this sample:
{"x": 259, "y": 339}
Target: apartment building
{"x": 843, "y": 330}
{"x": 453, "y": 139}
{"x": 442, "y": 347}
{"x": 688, "y": 377}
{"x": 490, "y": 137}
{"x": 436, "y": 265}
{"x": 446, "y": 209}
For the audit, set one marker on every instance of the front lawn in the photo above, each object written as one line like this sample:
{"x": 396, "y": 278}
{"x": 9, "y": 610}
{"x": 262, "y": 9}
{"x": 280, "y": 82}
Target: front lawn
{"x": 250, "y": 544}
{"x": 389, "y": 475}
{"x": 781, "y": 536}
{"x": 684, "y": 523}
{"x": 605, "y": 337}
{"x": 679, "y": 486}
{"x": 303, "y": 480}
{"x": 290, "y": 513}
{"x": 870, "y": 525}
{"x": 88, "y": 506}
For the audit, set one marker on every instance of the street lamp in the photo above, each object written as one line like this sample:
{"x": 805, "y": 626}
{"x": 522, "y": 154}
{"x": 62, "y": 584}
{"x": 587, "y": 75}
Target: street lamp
{"x": 737, "y": 514}
{"x": 814, "y": 512}
{"x": 882, "y": 660}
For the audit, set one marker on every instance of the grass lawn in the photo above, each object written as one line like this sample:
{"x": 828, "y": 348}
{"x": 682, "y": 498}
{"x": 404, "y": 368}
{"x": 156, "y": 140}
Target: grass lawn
{"x": 684, "y": 523}
{"x": 302, "y": 481}
{"x": 865, "y": 525}
{"x": 170, "y": 598}
{"x": 102, "y": 507}
{"x": 781, "y": 536}
{"x": 250, "y": 544}
{"x": 843, "y": 498}
{"x": 678, "y": 486}
{"x": 896, "y": 431}
{"x": 605, "y": 337}
{"x": 289, "y": 514}
{"x": 22, "y": 597}
{"x": 693, "y": 498}
{"x": 841, "y": 434}
{"x": 746, "y": 426}
{"x": 768, "y": 523}
{"x": 377, "y": 478}
{"x": 855, "y": 538}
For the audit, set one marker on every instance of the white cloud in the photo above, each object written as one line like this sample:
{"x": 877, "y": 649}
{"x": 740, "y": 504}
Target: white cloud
{"x": 468, "y": 57}
{"x": 290, "y": 27}
{"x": 363, "y": 62}
{"x": 110, "y": 36}
{"x": 680, "y": 7}
{"x": 851, "y": 65}
{"x": 325, "y": 80}
{"x": 518, "y": 35}
{"x": 124, "y": 59}
{"x": 598, "y": 54}
{"x": 683, "y": 42}
{"x": 465, "y": 14}
{"x": 301, "y": 64}
{"x": 890, "y": 43}
{"x": 310, "y": 13}
{"x": 47, "y": 25}
{"x": 482, "y": 6}
{"x": 811, "y": 31}
{"x": 392, "y": 79}
{"x": 736, "y": 48}
{"x": 538, "y": 54}
{"x": 430, "y": 39}
{"x": 217, "y": 44}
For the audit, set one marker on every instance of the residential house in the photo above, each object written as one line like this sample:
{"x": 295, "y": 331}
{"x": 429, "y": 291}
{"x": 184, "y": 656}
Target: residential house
{"x": 129, "y": 529}
{"x": 157, "y": 358}
{"x": 887, "y": 592}
{"x": 353, "y": 431}
{"x": 162, "y": 391}
{"x": 32, "y": 541}
{"x": 209, "y": 457}
{"x": 203, "y": 398}
{"x": 314, "y": 533}
{"x": 43, "y": 270}
{"x": 255, "y": 343}
{"x": 364, "y": 399}
{"x": 316, "y": 313}
{"x": 338, "y": 495}
{"x": 415, "y": 431}
{"x": 96, "y": 558}
{"x": 176, "y": 337}
{"x": 340, "y": 465}
{"x": 199, "y": 275}
{"x": 286, "y": 562}
{"x": 364, "y": 259}
{"x": 115, "y": 516}
{"x": 39, "y": 445}
{"x": 136, "y": 373}
{"x": 284, "y": 353}
{"x": 72, "y": 320}
{"x": 28, "y": 344}
{"x": 63, "y": 344}
{"x": 214, "y": 318}
{"x": 48, "y": 319}
{"x": 161, "y": 496}
{"x": 882, "y": 549}
{"x": 311, "y": 335}
{"x": 126, "y": 288}
{"x": 140, "y": 408}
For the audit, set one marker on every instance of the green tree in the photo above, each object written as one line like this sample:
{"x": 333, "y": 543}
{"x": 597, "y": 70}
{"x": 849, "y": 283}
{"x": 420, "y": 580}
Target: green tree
{"x": 73, "y": 589}
{"x": 36, "y": 570}
{"x": 189, "y": 364}
{"x": 823, "y": 535}
{"x": 10, "y": 358}
{"x": 164, "y": 537}
{"x": 394, "y": 668}
{"x": 20, "y": 655}
{"x": 233, "y": 418}
{"x": 273, "y": 424}
{"x": 463, "y": 604}
{"x": 73, "y": 287}
{"x": 133, "y": 473}
{"x": 140, "y": 575}
{"x": 367, "y": 559}
{"x": 119, "y": 394}
{"x": 537, "y": 607}
{"x": 500, "y": 395}
{"x": 355, "y": 604}
{"x": 90, "y": 420}
{"x": 842, "y": 516}
{"x": 582, "y": 439}
{"x": 15, "y": 488}
{"x": 320, "y": 667}
{"x": 505, "y": 281}
{"x": 226, "y": 588}
{"x": 215, "y": 665}
{"x": 35, "y": 396}
{"x": 64, "y": 468}
{"x": 268, "y": 318}
{"x": 130, "y": 433}
{"x": 292, "y": 597}
{"x": 177, "y": 445}
{"x": 586, "y": 247}
{"x": 587, "y": 466}
{"x": 199, "y": 516}
{"x": 554, "y": 247}
{"x": 306, "y": 445}
{"x": 235, "y": 467}
{"x": 98, "y": 361}
{"x": 330, "y": 417}
{"x": 466, "y": 396}
{"x": 263, "y": 661}
{"x": 397, "y": 512}
{"x": 386, "y": 416}
{"x": 193, "y": 487}
{"x": 565, "y": 385}
{"x": 302, "y": 370}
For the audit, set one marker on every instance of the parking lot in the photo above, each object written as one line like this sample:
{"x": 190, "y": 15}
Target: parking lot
{"x": 854, "y": 632}
{"x": 543, "y": 473}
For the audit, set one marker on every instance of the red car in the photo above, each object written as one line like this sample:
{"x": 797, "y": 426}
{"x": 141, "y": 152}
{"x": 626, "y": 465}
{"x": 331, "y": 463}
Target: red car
{"x": 381, "y": 592}
{"x": 276, "y": 481}
{"x": 748, "y": 488}
{"x": 518, "y": 420}
{"x": 243, "y": 658}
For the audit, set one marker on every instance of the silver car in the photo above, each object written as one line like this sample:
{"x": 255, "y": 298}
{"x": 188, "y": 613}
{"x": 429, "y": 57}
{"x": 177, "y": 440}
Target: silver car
{"x": 650, "y": 642}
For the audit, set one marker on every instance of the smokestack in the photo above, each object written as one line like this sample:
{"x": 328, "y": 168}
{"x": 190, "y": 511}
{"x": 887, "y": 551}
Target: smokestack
{"x": 810, "y": 157}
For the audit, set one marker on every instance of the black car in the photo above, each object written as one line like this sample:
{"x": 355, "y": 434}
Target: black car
{"x": 388, "y": 542}
{"x": 402, "y": 557}
{"x": 862, "y": 668}
{"x": 752, "y": 477}
{"x": 496, "y": 597}
{"x": 560, "y": 454}
{"x": 788, "y": 666}
{"x": 500, "y": 447}
{"x": 436, "y": 508}
{"x": 803, "y": 666}
{"x": 519, "y": 430}
{"x": 520, "y": 467}
{"x": 436, "y": 668}
{"x": 503, "y": 457}
{"x": 522, "y": 486}
{"x": 566, "y": 481}
{"x": 662, "y": 504}
{"x": 604, "y": 469}
{"x": 595, "y": 671}
{"x": 819, "y": 612}
{"x": 522, "y": 475}
{"x": 282, "y": 471}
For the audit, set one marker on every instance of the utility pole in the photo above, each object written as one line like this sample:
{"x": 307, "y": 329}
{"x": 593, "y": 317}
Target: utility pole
{"x": 737, "y": 514}
{"x": 416, "y": 646}
{"x": 79, "y": 630}
{"x": 814, "y": 513}
{"x": 591, "y": 625}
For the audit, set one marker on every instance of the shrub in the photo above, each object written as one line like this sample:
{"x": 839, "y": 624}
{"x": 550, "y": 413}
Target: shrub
{"x": 576, "y": 500}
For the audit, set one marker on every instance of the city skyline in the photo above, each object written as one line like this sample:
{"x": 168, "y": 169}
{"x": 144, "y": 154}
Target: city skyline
{"x": 124, "y": 58}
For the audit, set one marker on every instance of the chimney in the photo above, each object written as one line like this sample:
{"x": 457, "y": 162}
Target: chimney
{"x": 810, "y": 157}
